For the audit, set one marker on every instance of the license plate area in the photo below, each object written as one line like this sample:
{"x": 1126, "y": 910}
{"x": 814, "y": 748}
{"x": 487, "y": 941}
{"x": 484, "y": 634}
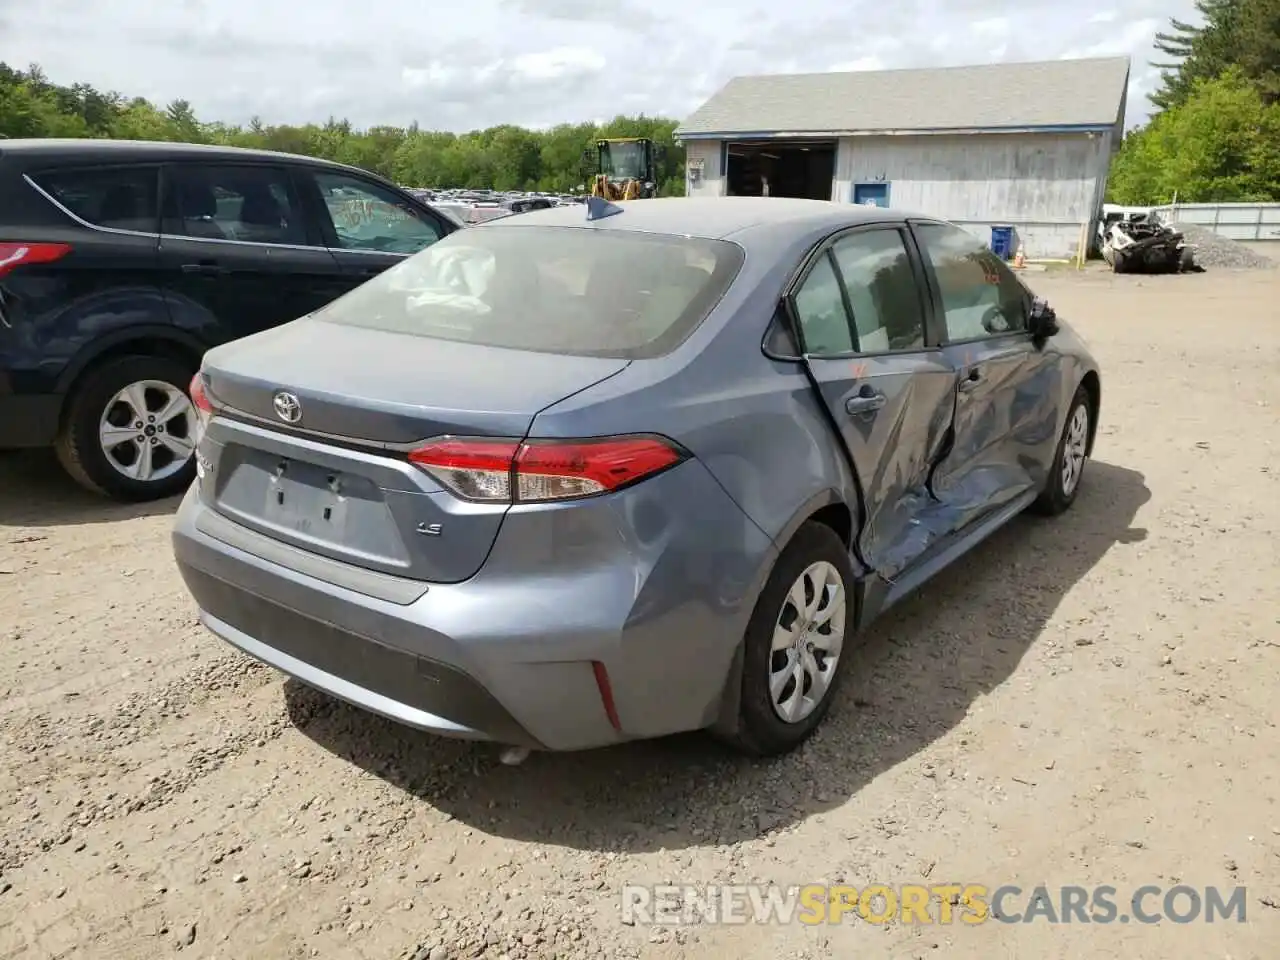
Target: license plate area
{"x": 308, "y": 500}
{"x": 322, "y": 504}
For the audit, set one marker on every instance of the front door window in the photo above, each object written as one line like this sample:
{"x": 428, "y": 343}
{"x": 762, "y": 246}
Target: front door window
{"x": 370, "y": 218}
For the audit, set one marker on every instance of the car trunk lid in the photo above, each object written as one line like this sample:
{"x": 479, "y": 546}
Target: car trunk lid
{"x": 336, "y": 480}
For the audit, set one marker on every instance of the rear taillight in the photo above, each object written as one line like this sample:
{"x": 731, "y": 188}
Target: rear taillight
{"x": 200, "y": 400}
{"x": 541, "y": 471}
{"x": 14, "y": 254}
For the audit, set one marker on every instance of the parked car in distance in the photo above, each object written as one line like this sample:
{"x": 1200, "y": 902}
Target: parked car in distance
{"x": 559, "y": 483}
{"x": 527, "y": 204}
{"x": 122, "y": 262}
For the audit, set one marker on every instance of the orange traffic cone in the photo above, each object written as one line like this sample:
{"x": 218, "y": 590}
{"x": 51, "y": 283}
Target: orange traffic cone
{"x": 1020, "y": 260}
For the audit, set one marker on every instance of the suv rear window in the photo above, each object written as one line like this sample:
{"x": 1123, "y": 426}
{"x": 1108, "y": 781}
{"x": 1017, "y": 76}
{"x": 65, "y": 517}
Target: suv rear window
{"x": 247, "y": 203}
{"x": 122, "y": 198}
{"x": 570, "y": 290}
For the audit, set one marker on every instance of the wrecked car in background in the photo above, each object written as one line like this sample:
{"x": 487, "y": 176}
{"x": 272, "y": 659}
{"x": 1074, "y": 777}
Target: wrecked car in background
{"x": 1141, "y": 243}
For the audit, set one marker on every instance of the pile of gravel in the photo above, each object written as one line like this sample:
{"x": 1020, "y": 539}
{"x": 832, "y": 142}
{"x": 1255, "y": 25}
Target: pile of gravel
{"x": 1217, "y": 252}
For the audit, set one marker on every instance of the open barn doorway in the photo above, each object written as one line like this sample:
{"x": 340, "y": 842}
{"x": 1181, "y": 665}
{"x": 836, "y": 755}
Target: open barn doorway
{"x": 786, "y": 168}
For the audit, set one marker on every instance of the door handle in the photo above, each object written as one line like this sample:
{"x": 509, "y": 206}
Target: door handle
{"x": 971, "y": 381}
{"x": 205, "y": 268}
{"x": 864, "y": 403}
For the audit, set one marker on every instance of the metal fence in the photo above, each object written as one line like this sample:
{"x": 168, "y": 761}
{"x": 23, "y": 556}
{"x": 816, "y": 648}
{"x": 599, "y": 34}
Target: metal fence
{"x": 1236, "y": 221}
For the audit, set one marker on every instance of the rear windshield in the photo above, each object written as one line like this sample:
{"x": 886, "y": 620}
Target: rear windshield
{"x": 571, "y": 290}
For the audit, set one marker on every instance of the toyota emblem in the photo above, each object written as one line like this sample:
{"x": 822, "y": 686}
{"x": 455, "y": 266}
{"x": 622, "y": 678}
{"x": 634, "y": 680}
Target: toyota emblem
{"x": 287, "y": 407}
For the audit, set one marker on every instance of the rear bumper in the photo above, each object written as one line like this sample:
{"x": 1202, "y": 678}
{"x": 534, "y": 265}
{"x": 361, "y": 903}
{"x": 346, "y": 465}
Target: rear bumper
{"x": 509, "y": 655}
{"x": 28, "y": 420}
{"x": 412, "y": 690}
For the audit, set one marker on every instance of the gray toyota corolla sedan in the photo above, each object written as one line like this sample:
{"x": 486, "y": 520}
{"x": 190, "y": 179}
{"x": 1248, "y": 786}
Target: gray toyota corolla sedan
{"x": 560, "y": 482}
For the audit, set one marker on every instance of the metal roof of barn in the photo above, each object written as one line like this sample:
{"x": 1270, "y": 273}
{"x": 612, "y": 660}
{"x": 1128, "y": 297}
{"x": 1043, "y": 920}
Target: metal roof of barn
{"x": 1084, "y": 94}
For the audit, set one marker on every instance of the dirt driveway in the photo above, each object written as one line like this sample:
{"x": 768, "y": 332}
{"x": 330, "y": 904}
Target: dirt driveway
{"x": 1085, "y": 701}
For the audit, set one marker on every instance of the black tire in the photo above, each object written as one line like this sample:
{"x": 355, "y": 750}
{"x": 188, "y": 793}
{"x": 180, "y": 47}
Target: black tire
{"x": 1120, "y": 264}
{"x": 78, "y": 445}
{"x": 1055, "y": 498}
{"x": 761, "y": 731}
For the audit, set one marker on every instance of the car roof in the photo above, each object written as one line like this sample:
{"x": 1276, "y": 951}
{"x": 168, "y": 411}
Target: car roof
{"x": 715, "y": 218}
{"x": 111, "y": 151}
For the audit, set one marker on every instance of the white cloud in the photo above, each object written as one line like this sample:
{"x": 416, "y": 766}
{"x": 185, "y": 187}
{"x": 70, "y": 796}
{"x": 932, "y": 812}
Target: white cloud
{"x": 1135, "y": 36}
{"x": 434, "y": 74}
{"x": 991, "y": 27}
{"x": 558, "y": 63}
{"x": 486, "y": 62}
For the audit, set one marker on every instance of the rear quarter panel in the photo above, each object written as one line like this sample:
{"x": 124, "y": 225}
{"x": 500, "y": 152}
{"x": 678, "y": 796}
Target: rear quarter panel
{"x": 769, "y": 460}
{"x": 63, "y": 315}
{"x": 756, "y": 423}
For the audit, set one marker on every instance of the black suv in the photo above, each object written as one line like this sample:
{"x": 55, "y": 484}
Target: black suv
{"x": 121, "y": 262}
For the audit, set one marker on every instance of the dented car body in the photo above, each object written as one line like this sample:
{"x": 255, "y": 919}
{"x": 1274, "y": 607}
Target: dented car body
{"x": 1141, "y": 243}
{"x": 562, "y": 483}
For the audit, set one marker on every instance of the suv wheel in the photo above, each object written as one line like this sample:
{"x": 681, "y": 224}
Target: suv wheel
{"x": 130, "y": 429}
{"x": 795, "y": 642}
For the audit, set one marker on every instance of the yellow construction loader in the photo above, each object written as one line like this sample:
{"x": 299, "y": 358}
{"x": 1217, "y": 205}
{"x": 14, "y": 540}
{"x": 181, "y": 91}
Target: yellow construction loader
{"x": 622, "y": 168}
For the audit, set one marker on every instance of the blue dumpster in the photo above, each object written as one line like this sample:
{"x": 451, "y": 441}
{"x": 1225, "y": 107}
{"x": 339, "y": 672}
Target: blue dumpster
{"x": 1002, "y": 242}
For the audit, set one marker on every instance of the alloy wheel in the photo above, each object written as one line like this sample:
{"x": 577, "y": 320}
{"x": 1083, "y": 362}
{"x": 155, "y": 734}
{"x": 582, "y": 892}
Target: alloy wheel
{"x": 147, "y": 430}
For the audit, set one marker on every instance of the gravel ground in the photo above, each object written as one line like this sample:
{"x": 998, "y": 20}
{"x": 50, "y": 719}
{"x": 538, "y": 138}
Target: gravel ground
{"x": 1214, "y": 252}
{"x": 1084, "y": 700}
{"x": 1267, "y": 248}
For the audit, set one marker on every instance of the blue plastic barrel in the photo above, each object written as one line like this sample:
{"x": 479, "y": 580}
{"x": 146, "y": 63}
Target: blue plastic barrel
{"x": 1002, "y": 242}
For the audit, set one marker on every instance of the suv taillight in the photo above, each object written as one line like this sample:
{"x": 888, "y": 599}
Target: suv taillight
{"x": 542, "y": 471}
{"x": 14, "y": 254}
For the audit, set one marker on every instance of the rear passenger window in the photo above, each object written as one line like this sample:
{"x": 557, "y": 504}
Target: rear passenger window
{"x": 882, "y": 289}
{"x": 122, "y": 198}
{"x": 824, "y": 323}
{"x": 251, "y": 204}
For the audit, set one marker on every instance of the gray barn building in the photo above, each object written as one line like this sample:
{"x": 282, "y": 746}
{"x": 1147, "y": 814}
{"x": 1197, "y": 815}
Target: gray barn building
{"x": 1026, "y": 145}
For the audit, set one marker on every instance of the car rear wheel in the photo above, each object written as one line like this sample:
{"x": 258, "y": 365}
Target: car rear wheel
{"x": 129, "y": 432}
{"x": 1068, "y": 466}
{"x": 795, "y": 643}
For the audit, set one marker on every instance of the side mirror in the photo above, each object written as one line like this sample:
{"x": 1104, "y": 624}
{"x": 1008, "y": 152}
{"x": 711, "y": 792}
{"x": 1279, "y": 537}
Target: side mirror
{"x": 1043, "y": 321}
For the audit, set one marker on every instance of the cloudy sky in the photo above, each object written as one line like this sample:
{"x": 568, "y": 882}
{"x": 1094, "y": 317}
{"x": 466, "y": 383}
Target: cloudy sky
{"x": 476, "y": 63}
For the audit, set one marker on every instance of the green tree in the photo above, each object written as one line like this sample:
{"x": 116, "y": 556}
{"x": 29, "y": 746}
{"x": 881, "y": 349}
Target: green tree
{"x": 502, "y": 157}
{"x": 1244, "y": 34}
{"x": 140, "y": 121}
{"x": 561, "y": 155}
{"x": 183, "y": 122}
{"x": 1196, "y": 51}
{"x": 1259, "y": 46}
{"x": 1221, "y": 145}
